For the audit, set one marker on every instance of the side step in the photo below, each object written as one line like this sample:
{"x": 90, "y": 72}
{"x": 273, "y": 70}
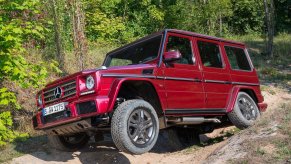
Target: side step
{"x": 191, "y": 120}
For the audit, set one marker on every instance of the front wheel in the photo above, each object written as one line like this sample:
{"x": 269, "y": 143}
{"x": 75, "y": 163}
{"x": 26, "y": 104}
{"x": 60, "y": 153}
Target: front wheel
{"x": 245, "y": 111}
{"x": 135, "y": 127}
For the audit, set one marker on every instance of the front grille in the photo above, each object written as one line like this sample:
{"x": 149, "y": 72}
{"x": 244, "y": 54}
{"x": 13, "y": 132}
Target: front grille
{"x": 86, "y": 107}
{"x": 34, "y": 121}
{"x": 68, "y": 90}
{"x": 55, "y": 116}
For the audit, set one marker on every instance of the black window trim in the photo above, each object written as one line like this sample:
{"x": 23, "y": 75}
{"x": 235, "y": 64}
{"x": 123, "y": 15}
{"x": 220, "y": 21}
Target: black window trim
{"x": 246, "y": 54}
{"x": 220, "y": 51}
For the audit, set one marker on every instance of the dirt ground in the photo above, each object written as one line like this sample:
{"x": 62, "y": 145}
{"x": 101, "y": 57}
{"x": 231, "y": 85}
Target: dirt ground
{"x": 223, "y": 147}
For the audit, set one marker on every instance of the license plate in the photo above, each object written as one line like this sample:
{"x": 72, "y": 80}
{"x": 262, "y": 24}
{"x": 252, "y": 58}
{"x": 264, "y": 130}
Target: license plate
{"x": 54, "y": 108}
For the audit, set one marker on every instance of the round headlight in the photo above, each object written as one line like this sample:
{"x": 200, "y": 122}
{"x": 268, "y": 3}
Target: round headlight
{"x": 39, "y": 100}
{"x": 90, "y": 82}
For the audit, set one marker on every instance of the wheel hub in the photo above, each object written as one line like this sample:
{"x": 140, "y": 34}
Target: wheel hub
{"x": 247, "y": 108}
{"x": 140, "y": 127}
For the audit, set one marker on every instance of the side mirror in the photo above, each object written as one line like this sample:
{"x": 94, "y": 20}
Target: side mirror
{"x": 171, "y": 56}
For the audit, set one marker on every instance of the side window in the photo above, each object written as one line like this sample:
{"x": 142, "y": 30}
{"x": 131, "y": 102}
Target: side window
{"x": 183, "y": 45}
{"x": 237, "y": 58}
{"x": 210, "y": 54}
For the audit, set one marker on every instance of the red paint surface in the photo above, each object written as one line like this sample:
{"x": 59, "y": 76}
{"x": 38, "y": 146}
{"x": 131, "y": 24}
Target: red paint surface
{"x": 173, "y": 94}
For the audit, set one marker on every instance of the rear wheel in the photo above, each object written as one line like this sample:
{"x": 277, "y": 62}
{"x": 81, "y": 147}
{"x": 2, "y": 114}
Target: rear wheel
{"x": 69, "y": 142}
{"x": 245, "y": 111}
{"x": 134, "y": 127}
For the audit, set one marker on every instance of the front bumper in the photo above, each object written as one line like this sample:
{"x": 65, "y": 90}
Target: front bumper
{"x": 77, "y": 111}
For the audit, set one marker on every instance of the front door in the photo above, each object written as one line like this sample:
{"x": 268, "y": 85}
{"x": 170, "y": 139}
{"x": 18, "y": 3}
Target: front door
{"x": 182, "y": 78}
{"x": 217, "y": 81}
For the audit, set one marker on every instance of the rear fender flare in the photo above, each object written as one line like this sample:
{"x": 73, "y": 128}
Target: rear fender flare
{"x": 233, "y": 95}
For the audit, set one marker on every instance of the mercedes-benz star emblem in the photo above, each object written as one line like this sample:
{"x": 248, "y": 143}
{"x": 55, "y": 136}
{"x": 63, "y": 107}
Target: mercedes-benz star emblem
{"x": 58, "y": 92}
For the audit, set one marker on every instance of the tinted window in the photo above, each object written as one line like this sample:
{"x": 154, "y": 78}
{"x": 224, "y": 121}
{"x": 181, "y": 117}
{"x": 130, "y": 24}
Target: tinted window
{"x": 141, "y": 52}
{"x": 210, "y": 54}
{"x": 237, "y": 58}
{"x": 183, "y": 45}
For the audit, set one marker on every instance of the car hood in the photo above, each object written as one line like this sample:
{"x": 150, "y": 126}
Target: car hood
{"x": 129, "y": 69}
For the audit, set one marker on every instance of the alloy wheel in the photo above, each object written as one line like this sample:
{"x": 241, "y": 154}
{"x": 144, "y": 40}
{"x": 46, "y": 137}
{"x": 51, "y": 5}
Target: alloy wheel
{"x": 247, "y": 108}
{"x": 141, "y": 128}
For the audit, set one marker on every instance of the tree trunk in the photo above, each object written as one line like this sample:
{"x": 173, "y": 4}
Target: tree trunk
{"x": 58, "y": 36}
{"x": 220, "y": 24}
{"x": 78, "y": 22}
{"x": 269, "y": 15}
{"x": 125, "y": 10}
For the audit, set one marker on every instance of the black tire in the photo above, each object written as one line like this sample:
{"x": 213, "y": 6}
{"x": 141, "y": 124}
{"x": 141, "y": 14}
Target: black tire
{"x": 69, "y": 143}
{"x": 245, "y": 111}
{"x": 135, "y": 126}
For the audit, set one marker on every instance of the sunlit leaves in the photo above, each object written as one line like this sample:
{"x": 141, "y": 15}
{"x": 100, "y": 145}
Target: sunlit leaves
{"x": 17, "y": 26}
{"x": 6, "y": 133}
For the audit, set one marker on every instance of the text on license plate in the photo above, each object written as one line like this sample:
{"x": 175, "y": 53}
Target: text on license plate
{"x": 54, "y": 108}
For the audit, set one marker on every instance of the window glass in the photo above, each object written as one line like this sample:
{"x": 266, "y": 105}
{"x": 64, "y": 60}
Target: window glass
{"x": 119, "y": 62}
{"x": 210, "y": 54}
{"x": 138, "y": 53}
{"x": 237, "y": 58}
{"x": 183, "y": 45}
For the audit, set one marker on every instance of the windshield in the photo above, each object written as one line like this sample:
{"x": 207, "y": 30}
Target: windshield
{"x": 135, "y": 54}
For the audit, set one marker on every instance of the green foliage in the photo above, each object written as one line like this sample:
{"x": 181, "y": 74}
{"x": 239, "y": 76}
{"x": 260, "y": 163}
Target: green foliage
{"x": 100, "y": 26}
{"x": 283, "y": 15}
{"x": 248, "y": 16}
{"x": 6, "y": 133}
{"x": 124, "y": 20}
{"x": 17, "y": 27}
{"x": 14, "y": 32}
{"x": 7, "y": 98}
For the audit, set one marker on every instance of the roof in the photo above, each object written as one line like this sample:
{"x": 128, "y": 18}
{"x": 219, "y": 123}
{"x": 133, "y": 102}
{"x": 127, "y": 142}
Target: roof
{"x": 176, "y": 31}
{"x": 202, "y": 36}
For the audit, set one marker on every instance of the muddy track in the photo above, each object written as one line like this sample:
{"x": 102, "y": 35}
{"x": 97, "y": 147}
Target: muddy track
{"x": 220, "y": 147}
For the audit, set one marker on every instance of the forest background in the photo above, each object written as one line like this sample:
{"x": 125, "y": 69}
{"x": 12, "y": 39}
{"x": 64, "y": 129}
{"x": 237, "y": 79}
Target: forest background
{"x": 42, "y": 40}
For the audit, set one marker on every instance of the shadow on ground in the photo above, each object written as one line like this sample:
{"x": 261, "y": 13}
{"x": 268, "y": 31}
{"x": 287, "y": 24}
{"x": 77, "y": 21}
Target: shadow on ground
{"x": 39, "y": 151}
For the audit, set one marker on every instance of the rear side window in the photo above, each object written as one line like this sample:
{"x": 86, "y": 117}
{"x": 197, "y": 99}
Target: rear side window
{"x": 210, "y": 54}
{"x": 237, "y": 58}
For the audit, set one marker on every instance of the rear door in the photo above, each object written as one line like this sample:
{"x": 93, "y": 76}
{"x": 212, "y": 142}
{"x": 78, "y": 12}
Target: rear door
{"x": 216, "y": 78}
{"x": 241, "y": 69}
{"x": 182, "y": 79}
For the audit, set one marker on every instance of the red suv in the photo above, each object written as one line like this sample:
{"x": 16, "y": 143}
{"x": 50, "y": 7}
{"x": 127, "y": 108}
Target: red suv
{"x": 172, "y": 78}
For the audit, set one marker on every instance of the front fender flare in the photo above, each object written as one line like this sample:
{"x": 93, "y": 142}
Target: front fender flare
{"x": 115, "y": 87}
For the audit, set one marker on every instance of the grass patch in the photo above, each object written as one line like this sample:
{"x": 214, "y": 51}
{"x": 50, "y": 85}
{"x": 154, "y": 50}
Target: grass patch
{"x": 260, "y": 151}
{"x": 274, "y": 148}
{"x": 283, "y": 149}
